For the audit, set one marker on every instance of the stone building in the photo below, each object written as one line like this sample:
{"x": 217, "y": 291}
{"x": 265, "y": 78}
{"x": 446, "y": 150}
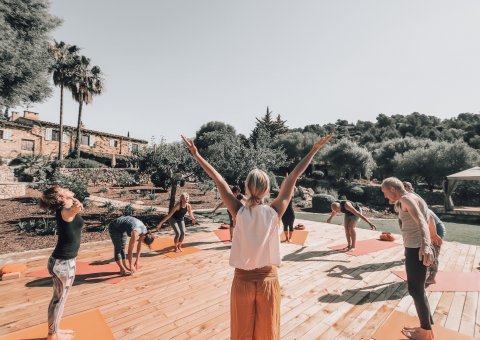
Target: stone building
{"x": 28, "y": 134}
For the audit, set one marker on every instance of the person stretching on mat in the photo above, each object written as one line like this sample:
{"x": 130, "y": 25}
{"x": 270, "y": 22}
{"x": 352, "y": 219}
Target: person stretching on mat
{"x": 132, "y": 227}
{"x": 62, "y": 262}
{"x": 236, "y": 192}
{"x": 413, "y": 214}
{"x": 176, "y": 218}
{"x": 437, "y": 233}
{"x": 288, "y": 219}
{"x": 353, "y": 213}
{"x": 255, "y": 254}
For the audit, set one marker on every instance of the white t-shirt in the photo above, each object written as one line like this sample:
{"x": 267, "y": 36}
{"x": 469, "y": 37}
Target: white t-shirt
{"x": 256, "y": 241}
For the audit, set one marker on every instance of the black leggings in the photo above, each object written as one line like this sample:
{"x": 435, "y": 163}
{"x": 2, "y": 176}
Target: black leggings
{"x": 416, "y": 276}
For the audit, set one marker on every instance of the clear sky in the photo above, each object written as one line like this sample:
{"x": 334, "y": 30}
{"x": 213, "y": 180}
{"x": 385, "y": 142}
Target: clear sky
{"x": 174, "y": 65}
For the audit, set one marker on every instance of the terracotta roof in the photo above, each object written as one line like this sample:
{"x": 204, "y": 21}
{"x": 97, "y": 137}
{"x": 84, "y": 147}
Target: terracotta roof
{"x": 22, "y": 121}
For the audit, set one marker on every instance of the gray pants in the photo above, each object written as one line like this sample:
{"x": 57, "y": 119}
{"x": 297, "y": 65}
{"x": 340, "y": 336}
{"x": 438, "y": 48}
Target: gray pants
{"x": 178, "y": 228}
{"x": 119, "y": 239}
{"x": 63, "y": 274}
{"x": 433, "y": 269}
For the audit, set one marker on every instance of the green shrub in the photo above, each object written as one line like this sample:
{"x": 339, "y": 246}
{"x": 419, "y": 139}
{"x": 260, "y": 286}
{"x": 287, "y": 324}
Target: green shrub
{"x": 353, "y": 193}
{"x": 317, "y": 174}
{"x": 322, "y": 202}
{"x": 38, "y": 226}
{"x": 152, "y": 197}
{"x": 128, "y": 210}
{"x": 326, "y": 191}
{"x": 149, "y": 211}
{"x": 103, "y": 190}
{"x": 122, "y": 193}
{"x": 110, "y": 207}
{"x": 126, "y": 180}
{"x": 79, "y": 163}
{"x": 120, "y": 161}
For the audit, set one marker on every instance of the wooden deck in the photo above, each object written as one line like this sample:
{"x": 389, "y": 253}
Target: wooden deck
{"x": 326, "y": 294}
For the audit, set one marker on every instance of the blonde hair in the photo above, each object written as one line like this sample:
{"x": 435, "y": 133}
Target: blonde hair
{"x": 408, "y": 186}
{"x": 185, "y": 196}
{"x": 393, "y": 183}
{"x": 257, "y": 185}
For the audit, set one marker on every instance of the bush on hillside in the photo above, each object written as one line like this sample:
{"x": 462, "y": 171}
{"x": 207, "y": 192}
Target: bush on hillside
{"x": 321, "y": 203}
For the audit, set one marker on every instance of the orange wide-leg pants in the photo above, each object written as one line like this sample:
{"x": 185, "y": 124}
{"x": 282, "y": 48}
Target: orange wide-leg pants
{"x": 255, "y": 304}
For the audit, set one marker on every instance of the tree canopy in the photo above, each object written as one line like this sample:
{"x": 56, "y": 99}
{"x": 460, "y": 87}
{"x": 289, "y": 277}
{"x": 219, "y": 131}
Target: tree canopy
{"x": 25, "y": 27}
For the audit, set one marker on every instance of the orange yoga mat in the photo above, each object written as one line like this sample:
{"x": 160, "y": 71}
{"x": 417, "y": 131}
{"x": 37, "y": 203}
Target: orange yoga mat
{"x": 88, "y": 272}
{"x": 392, "y": 327}
{"x": 298, "y": 237}
{"x": 166, "y": 246}
{"x": 451, "y": 281}
{"x": 87, "y": 326}
{"x": 223, "y": 235}
{"x": 367, "y": 246}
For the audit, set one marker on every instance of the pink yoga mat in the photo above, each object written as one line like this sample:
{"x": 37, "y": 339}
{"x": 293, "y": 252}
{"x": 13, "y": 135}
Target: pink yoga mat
{"x": 393, "y": 325}
{"x": 367, "y": 247}
{"x": 223, "y": 235}
{"x": 451, "y": 281}
{"x": 88, "y": 272}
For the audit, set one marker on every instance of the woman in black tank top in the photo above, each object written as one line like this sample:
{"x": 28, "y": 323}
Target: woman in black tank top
{"x": 176, "y": 218}
{"x": 62, "y": 262}
{"x": 353, "y": 213}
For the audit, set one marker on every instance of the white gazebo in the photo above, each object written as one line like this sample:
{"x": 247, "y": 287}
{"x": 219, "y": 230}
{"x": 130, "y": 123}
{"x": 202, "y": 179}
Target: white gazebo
{"x": 451, "y": 183}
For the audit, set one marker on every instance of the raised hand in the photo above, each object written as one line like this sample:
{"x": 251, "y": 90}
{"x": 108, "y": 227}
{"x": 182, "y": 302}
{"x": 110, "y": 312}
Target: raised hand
{"x": 322, "y": 141}
{"x": 189, "y": 143}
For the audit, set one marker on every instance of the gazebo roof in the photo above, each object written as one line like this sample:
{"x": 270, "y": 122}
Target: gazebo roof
{"x": 472, "y": 174}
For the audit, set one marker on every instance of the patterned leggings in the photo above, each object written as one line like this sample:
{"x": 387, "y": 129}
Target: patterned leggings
{"x": 63, "y": 274}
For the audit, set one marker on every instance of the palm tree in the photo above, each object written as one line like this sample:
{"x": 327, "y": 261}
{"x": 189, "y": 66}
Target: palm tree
{"x": 87, "y": 82}
{"x": 62, "y": 71}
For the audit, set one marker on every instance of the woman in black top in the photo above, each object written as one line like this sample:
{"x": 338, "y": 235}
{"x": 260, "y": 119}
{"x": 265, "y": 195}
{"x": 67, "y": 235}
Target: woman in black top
{"x": 62, "y": 262}
{"x": 288, "y": 219}
{"x": 353, "y": 214}
{"x": 177, "y": 221}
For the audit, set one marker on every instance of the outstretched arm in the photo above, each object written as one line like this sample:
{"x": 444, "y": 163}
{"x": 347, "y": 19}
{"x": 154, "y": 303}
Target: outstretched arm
{"x": 230, "y": 201}
{"x": 332, "y": 215}
{"x": 170, "y": 214}
{"x": 218, "y": 206}
{"x": 280, "y": 203}
{"x": 351, "y": 208}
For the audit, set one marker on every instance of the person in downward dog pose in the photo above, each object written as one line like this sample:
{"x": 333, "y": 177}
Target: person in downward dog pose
{"x": 413, "y": 215}
{"x": 62, "y": 262}
{"x": 353, "y": 213}
{"x": 176, "y": 218}
{"x": 119, "y": 229}
{"x": 255, "y": 254}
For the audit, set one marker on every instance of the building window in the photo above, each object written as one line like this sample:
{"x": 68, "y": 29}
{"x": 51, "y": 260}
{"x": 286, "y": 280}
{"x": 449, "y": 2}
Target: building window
{"x": 6, "y": 134}
{"x": 55, "y": 135}
{"x": 113, "y": 143}
{"x": 85, "y": 140}
{"x": 28, "y": 145}
{"x": 134, "y": 147}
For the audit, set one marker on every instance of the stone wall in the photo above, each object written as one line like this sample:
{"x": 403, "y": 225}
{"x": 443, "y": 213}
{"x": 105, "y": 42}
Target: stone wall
{"x": 6, "y": 174}
{"x": 11, "y": 190}
{"x": 104, "y": 176}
